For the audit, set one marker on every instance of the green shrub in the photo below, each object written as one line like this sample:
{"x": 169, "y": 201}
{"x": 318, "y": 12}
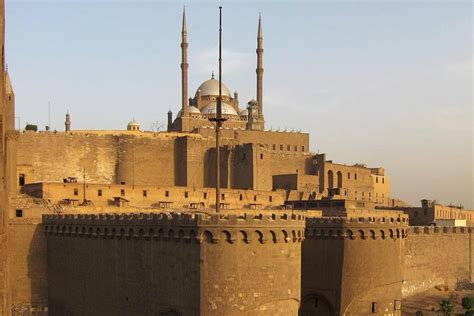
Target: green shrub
{"x": 468, "y": 303}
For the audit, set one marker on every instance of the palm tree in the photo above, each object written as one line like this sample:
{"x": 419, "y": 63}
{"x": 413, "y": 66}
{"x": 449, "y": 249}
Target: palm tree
{"x": 446, "y": 307}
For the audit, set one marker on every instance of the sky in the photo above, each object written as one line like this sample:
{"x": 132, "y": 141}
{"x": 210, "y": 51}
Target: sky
{"x": 386, "y": 83}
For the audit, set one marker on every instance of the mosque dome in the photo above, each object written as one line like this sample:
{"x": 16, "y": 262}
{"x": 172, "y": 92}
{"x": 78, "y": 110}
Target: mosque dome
{"x": 244, "y": 112}
{"x": 192, "y": 110}
{"x": 211, "y": 87}
{"x": 227, "y": 109}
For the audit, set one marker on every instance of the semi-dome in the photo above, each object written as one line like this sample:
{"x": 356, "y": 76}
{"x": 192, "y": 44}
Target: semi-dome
{"x": 244, "y": 112}
{"x": 211, "y": 108}
{"x": 211, "y": 87}
{"x": 192, "y": 110}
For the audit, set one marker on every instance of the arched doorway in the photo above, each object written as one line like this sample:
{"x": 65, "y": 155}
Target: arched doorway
{"x": 316, "y": 305}
{"x": 330, "y": 179}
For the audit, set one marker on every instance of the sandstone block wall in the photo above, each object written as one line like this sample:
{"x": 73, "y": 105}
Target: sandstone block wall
{"x": 146, "y": 264}
{"x": 362, "y": 263}
{"x": 437, "y": 256}
{"x": 27, "y": 266}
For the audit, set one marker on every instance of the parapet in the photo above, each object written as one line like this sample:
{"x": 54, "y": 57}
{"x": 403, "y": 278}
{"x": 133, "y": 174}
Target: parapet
{"x": 357, "y": 227}
{"x": 437, "y": 230}
{"x": 180, "y": 226}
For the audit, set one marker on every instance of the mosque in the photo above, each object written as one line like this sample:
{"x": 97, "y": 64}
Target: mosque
{"x": 195, "y": 112}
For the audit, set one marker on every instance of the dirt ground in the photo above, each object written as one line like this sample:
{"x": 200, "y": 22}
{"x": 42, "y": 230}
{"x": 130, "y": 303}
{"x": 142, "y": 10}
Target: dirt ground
{"x": 427, "y": 302}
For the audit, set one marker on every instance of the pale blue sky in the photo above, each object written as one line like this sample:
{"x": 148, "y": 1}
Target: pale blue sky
{"x": 385, "y": 83}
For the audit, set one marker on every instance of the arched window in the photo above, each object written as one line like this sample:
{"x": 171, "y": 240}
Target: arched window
{"x": 330, "y": 179}
{"x": 339, "y": 179}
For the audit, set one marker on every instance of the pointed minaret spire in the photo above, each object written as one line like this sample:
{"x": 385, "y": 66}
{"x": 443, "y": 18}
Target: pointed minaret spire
{"x": 259, "y": 70}
{"x": 184, "y": 67}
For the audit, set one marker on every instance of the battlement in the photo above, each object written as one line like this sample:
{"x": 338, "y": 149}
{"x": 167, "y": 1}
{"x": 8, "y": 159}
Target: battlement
{"x": 436, "y": 230}
{"x": 180, "y": 226}
{"x": 357, "y": 227}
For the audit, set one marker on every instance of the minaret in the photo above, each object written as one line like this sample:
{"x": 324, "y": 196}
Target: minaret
{"x": 184, "y": 68}
{"x": 68, "y": 122}
{"x": 260, "y": 70}
{"x": 170, "y": 120}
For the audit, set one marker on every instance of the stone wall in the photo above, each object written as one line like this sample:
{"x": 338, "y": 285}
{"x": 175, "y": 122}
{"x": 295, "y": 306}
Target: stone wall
{"x": 437, "y": 256}
{"x": 27, "y": 267}
{"x": 353, "y": 266}
{"x": 188, "y": 264}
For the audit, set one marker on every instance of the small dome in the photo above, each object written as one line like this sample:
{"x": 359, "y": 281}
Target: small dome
{"x": 244, "y": 112}
{"x": 211, "y": 87}
{"x": 227, "y": 109}
{"x": 133, "y": 126}
{"x": 192, "y": 110}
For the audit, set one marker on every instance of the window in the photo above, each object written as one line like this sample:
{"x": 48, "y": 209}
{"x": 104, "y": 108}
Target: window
{"x": 122, "y": 183}
{"x": 302, "y": 148}
{"x": 348, "y": 175}
{"x": 19, "y": 213}
{"x": 223, "y": 196}
{"x": 241, "y": 197}
{"x": 376, "y": 179}
{"x": 281, "y": 147}
{"x": 355, "y": 176}
{"x": 270, "y": 198}
{"x": 373, "y": 307}
{"x": 363, "y": 193}
{"x": 204, "y": 195}
{"x": 99, "y": 192}
{"x": 288, "y": 147}
{"x": 167, "y": 193}
{"x": 255, "y": 198}
{"x": 186, "y": 194}
{"x": 261, "y": 156}
{"x": 122, "y": 192}
{"x": 76, "y": 191}
{"x": 274, "y": 147}
{"x": 21, "y": 179}
{"x": 296, "y": 148}
{"x": 383, "y": 180}
{"x": 145, "y": 193}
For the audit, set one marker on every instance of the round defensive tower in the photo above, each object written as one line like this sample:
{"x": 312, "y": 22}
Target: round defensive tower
{"x": 353, "y": 266}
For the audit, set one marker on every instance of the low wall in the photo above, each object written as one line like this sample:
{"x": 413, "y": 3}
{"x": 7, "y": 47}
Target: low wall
{"x": 437, "y": 256}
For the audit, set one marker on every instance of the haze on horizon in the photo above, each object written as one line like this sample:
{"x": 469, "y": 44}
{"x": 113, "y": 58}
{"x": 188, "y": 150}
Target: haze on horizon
{"x": 383, "y": 83}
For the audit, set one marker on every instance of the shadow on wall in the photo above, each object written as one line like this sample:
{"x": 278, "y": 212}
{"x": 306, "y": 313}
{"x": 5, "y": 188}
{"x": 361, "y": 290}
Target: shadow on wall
{"x": 316, "y": 305}
{"x": 37, "y": 271}
{"x": 28, "y": 268}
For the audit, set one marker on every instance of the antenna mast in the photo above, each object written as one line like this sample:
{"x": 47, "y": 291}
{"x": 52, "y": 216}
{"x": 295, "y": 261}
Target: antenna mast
{"x": 219, "y": 120}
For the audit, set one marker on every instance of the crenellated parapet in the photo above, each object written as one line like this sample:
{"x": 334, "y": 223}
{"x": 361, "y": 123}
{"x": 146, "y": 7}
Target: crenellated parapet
{"x": 437, "y": 230}
{"x": 357, "y": 227}
{"x": 212, "y": 228}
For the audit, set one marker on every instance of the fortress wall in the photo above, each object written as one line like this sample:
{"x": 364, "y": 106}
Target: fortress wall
{"x": 27, "y": 266}
{"x": 287, "y": 163}
{"x": 437, "y": 256}
{"x": 364, "y": 257}
{"x": 151, "y": 196}
{"x": 146, "y": 160}
{"x": 53, "y": 156}
{"x": 180, "y": 262}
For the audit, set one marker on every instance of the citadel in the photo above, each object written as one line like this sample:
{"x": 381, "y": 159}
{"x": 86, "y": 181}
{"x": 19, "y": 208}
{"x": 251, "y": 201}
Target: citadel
{"x": 123, "y": 222}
